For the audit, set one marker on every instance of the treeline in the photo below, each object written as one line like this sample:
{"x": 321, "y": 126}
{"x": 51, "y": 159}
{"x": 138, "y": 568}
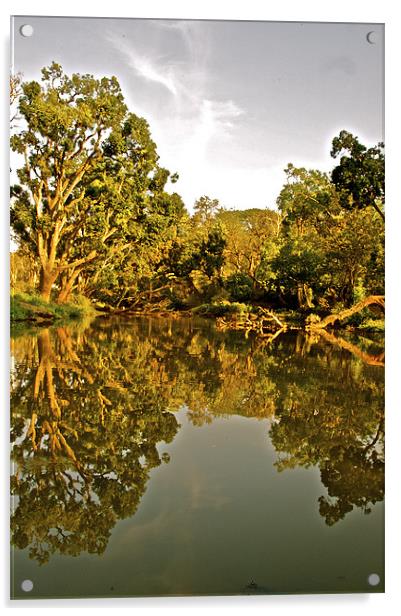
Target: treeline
{"x": 93, "y": 214}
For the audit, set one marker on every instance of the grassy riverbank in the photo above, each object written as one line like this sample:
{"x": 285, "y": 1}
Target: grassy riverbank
{"x": 31, "y": 308}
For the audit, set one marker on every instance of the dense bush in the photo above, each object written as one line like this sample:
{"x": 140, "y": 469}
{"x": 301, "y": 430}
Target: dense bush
{"x": 221, "y": 308}
{"x": 239, "y": 286}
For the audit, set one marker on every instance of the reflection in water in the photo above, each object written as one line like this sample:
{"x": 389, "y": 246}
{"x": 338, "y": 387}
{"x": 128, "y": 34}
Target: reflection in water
{"x": 89, "y": 408}
{"x": 85, "y": 430}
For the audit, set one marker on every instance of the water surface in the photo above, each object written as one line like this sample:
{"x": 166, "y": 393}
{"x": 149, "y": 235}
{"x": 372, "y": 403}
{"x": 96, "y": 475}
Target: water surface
{"x": 161, "y": 457}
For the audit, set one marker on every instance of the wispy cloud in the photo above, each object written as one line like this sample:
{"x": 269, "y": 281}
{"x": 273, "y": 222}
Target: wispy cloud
{"x": 214, "y": 119}
{"x": 143, "y": 67}
{"x": 190, "y": 124}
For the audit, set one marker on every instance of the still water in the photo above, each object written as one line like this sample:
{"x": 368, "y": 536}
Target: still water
{"x": 162, "y": 457}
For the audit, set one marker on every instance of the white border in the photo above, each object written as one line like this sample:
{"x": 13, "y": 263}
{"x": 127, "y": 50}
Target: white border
{"x": 383, "y": 11}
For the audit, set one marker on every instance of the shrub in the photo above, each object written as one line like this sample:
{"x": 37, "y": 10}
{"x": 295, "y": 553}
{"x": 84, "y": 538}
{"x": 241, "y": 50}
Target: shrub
{"x": 221, "y": 308}
{"x": 239, "y": 308}
{"x": 81, "y": 301}
{"x": 239, "y": 286}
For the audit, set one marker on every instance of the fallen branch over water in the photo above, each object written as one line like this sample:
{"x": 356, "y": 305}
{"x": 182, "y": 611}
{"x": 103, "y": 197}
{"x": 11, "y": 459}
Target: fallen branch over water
{"x": 377, "y": 300}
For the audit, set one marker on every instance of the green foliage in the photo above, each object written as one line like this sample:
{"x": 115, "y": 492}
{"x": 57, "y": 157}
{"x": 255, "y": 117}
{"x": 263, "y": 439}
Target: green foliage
{"x": 296, "y": 265}
{"x": 252, "y": 236}
{"x": 240, "y": 286}
{"x": 196, "y": 249}
{"x": 306, "y": 199}
{"x": 359, "y": 178}
{"x": 23, "y": 271}
{"x": 221, "y": 308}
{"x": 240, "y": 308}
{"x": 312, "y": 319}
{"x": 210, "y": 255}
{"x": 18, "y": 311}
{"x": 326, "y": 252}
{"x": 91, "y": 205}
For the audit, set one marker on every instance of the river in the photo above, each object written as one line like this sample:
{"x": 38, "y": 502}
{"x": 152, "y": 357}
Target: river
{"x": 162, "y": 457}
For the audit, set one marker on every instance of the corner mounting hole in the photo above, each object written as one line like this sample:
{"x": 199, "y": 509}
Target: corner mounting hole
{"x": 372, "y": 37}
{"x": 26, "y": 30}
{"x": 373, "y": 579}
{"x": 27, "y": 585}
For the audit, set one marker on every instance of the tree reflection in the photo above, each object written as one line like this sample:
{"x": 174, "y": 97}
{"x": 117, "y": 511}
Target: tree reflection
{"x": 89, "y": 408}
{"x": 331, "y": 414}
{"x": 83, "y": 442}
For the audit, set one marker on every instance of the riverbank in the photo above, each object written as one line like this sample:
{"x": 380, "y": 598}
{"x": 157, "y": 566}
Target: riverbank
{"x": 236, "y": 315}
{"x": 31, "y": 309}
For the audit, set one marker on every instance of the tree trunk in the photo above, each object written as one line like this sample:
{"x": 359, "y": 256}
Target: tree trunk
{"x": 66, "y": 287}
{"x": 304, "y": 294}
{"x": 67, "y": 282}
{"x": 47, "y": 279}
{"x": 64, "y": 294}
{"x": 344, "y": 314}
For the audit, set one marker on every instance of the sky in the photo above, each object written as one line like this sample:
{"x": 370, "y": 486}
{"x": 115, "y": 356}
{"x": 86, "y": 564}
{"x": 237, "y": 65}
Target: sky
{"x": 229, "y": 103}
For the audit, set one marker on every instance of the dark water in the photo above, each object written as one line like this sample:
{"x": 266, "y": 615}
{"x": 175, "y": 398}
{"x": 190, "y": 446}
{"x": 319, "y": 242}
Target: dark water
{"x": 157, "y": 457}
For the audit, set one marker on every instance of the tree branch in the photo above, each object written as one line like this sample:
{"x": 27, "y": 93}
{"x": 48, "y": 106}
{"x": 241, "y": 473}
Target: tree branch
{"x": 82, "y": 261}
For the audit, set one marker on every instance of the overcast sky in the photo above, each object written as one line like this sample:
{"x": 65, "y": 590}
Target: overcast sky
{"x": 229, "y": 104}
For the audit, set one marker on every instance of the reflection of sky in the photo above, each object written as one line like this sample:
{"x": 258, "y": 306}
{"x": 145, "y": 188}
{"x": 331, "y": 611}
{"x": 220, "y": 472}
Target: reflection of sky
{"x": 218, "y": 516}
{"x": 229, "y": 103}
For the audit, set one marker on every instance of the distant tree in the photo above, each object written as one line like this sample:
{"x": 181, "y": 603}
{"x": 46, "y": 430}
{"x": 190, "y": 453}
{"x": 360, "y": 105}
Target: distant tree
{"x": 210, "y": 256}
{"x": 197, "y": 248}
{"x": 249, "y": 234}
{"x": 359, "y": 178}
{"x": 23, "y": 271}
{"x": 307, "y": 203}
{"x": 326, "y": 251}
{"x": 205, "y": 209}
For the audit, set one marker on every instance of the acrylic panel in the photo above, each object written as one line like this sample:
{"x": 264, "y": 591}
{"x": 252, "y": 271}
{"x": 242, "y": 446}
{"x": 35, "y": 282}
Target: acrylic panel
{"x": 197, "y": 307}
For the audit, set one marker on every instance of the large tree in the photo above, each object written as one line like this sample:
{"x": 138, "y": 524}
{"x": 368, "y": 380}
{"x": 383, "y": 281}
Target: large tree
{"x": 66, "y": 120}
{"x": 130, "y": 205}
{"x": 89, "y": 176}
